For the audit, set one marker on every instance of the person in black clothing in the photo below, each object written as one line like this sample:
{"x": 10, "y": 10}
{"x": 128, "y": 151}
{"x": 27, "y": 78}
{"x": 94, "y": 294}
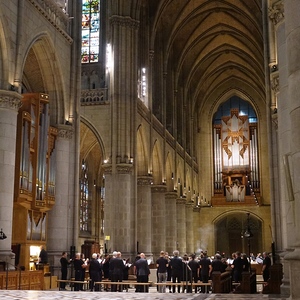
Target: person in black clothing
{"x": 246, "y": 263}
{"x": 142, "y": 271}
{"x": 266, "y": 266}
{"x": 79, "y": 265}
{"x": 217, "y": 264}
{"x": 195, "y": 267}
{"x": 169, "y": 270}
{"x": 95, "y": 273}
{"x": 116, "y": 269}
{"x": 205, "y": 270}
{"x": 64, "y": 262}
{"x": 162, "y": 265}
{"x": 238, "y": 266}
{"x": 105, "y": 270}
{"x": 177, "y": 269}
{"x": 186, "y": 275}
{"x": 43, "y": 256}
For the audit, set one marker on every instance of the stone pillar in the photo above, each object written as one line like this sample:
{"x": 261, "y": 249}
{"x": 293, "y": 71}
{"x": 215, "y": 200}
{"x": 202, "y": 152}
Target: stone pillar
{"x": 144, "y": 213}
{"x": 171, "y": 222}
{"x": 158, "y": 219}
{"x": 292, "y": 33}
{"x": 60, "y": 222}
{"x": 119, "y": 209}
{"x": 181, "y": 225}
{"x": 9, "y": 105}
{"x": 196, "y": 228}
{"x": 189, "y": 227}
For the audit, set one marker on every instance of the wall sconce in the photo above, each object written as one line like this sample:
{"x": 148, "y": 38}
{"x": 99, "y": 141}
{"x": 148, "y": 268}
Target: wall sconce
{"x": 94, "y": 182}
{"x": 2, "y": 235}
{"x": 172, "y": 176}
{"x": 105, "y": 161}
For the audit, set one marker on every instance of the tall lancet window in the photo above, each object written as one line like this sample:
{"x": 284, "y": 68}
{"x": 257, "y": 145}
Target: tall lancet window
{"x": 85, "y": 201}
{"x": 90, "y": 31}
{"x": 236, "y": 162}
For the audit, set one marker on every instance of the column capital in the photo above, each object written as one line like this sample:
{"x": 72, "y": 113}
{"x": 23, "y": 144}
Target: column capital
{"x": 158, "y": 188}
{"x": 124, "y": 168}
{"x": 10, "y": 100}
{"x": 171, "y": 195}
{"x": 276, "y": 12}
{"x": 144, "y": 180}
{"x": 124, "y": 21}
{"x": 189, "y": 204}
{"x": 181, "y": 201}
{"x": 65, "y": 131}
{"x": 196, "y": 209}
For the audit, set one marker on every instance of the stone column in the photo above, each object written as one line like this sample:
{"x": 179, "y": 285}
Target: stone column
{"x": 292, "y": 32}
{"x": 60, "y": 221}
{"x": 181, "y": 225}
{"x": 196, "y": 228}
{"x": 9, "y": 105}
{"x": 144, "y": 213}
{"x": 171, "y": 222}
{"x": 119, "y": 209}
{"x": 158, "y": 219}
{"x": 189, "y": 227}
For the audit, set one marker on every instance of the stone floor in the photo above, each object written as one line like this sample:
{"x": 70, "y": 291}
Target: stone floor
{"x": 152, "y": 295}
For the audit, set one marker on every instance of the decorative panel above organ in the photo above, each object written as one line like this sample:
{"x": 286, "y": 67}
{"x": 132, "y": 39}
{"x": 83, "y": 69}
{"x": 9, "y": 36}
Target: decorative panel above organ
{"x": 35, "y": 149}
{"x": 236, "y": 164}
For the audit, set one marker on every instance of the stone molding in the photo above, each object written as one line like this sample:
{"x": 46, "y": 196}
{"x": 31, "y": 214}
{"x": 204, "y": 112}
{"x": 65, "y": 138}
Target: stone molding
{"x": 276, "y": 12}
{"x": 171, "y": 196}
{"x": 107, "y": 169}
{"x": 10, "y": 100}
{"x": 158, "y": 188}
{"x": 144, "y": 180}
{"x": 181, "y": 201}
{"x": 196, "y": 209}
{"x": 124, "y": 22}
{"x": 65, "y": 132}
{"x": 275, "y": 83}
{"x": 124, "y": 168}
{"x": 189, "y": 204}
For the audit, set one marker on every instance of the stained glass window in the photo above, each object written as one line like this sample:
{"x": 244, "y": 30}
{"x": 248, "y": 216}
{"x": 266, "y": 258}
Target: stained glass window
{"x": 90, "y": 26}
{"x": 85, "y": 201}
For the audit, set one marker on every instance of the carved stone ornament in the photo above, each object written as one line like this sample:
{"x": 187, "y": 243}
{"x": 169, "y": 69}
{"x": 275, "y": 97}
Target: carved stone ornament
{"x": 171, "y": 196}
{"x": 65, "y": 132}
{"x": 158, "y": 188}
{"x": 276, "y": 12}
{"x": 124, "y": 168}
{"x": 10, "y": 100}
{"x": 144, "y": 180}
{"x": 181, "y": 201}
{"x": 124, "y": 22}
{"x": 275, "y": 84}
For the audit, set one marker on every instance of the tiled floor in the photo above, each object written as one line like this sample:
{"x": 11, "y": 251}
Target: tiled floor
{"x": 131, "y": 295}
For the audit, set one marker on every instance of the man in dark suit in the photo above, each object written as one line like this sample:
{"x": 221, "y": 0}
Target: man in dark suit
{"x": 142, "y": 271}
{"x": 177, "y": 269}
{"x": 95, "y": 273}
{"x": 116, "y": 268}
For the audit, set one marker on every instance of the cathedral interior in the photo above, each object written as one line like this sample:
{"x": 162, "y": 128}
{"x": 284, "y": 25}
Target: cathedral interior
{"x": 142, "y": 126}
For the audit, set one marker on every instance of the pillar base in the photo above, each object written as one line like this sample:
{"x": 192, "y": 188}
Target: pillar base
{"x": 293, "y": 259}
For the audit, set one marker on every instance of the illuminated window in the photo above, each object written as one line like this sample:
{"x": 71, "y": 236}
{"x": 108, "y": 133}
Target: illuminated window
{"x": 90, "y": 26}
{"x": 85, "y": 201}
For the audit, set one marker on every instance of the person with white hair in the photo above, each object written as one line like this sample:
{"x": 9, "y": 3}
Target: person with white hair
{"x": 142, "y": 271}
{"x": 116, "y": 268}
{"x": 95, "y": 273}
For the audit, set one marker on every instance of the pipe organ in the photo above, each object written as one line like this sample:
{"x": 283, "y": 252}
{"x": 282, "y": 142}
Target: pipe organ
{"x": 34, "y": 174}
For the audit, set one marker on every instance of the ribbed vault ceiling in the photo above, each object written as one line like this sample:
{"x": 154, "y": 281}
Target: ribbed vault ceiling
{"x": 210, "y": 44}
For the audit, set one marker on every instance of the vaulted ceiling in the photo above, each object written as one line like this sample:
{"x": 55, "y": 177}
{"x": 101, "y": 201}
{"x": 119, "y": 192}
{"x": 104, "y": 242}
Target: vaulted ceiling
{"x": 210, "y": 46}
